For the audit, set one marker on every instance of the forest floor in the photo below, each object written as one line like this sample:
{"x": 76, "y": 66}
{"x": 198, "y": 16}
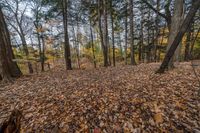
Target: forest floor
{"x": 130, "y": 99}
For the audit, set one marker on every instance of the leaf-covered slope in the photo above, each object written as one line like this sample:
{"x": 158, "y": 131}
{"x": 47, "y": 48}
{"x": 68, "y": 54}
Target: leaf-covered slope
{"x": 124, "y": 99}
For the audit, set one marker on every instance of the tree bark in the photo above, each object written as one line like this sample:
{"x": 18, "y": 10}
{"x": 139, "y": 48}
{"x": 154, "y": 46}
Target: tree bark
{"x": 8, "y": 68}
{"x": 106, "y": 41}
{"x": 43, "y": 52}
{"x": 100, "y": 27}
{"x": 148, "y": 55}
{"x": 36, "y": 24}
{"x": 77, "y": 43}
{"x": 113, "y": 33}
{"x": 157, "y": 30}
{"x": 176, "y": 22}
{"x": 133, "y": 62}
{"x": 141, "y": 43}
{"x": 93, "y": 49}
{"x": 187, "y": 46}
{"x": 126, "y": 33}
{"x": 67, "y": 53}
{"x": 178, "y": 37}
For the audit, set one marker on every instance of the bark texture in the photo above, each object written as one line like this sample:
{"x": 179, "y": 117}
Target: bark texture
{"x": 8, "y": 68}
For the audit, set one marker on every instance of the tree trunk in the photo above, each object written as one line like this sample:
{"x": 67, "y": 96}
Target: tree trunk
{"x": 8, "y": 68}
{"x": 101, "y": 33}
{"x": 25, "y": 49}
{"x": 106, "y": 41}
{"x": 92, "y": 40}
{"x": 133, "y": 62}
{"x": 141, "y": 44}
{"x": 148, "y": 55}
{"x": 67, "y": 53}
{"x": 43, "y": 52}
{"x": 113, "y": 33}
{"x": 157, "y": 30}
{"x": 36, "y": 24}
{"x": 126, "y": 33}
{"x": 176, "y": 21}
{"x": 152, "y": 43}
{"x": 77, "y": 43}
{"x": 178, "y": 37}
{"x": 24, "y": 44}
{"x": 187, "y": 46}
{"x": 120, "y": 45}
{"x": 4, "y": 70}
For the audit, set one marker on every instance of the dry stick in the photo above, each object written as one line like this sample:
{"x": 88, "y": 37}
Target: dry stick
{"x": 179, "y": 36}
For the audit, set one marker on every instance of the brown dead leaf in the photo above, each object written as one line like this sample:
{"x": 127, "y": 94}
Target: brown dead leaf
{"x": 97, "y": 130}
{"x": 158, "y": 118}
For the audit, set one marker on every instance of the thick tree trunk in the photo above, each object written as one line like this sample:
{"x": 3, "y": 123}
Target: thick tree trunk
{"x": 67, "y": 53}
{"x": 178, "y": 37}
{"x": 100, "y": 4}
{"x": 4, "y": 70}
{"x": 176, "y": 21}
{"x": 8, "y": 68}
{"x": 92, "y": 40}
{"x": 133, "y": 62}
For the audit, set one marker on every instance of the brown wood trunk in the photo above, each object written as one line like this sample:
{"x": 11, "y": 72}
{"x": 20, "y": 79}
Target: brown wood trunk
{"x": 67, "y": 53}
{"x": 105, "y": 33}
{"x": 8, "y": 68}
{"x": 176, "y": 22}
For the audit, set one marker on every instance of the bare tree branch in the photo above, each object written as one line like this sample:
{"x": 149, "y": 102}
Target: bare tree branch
{"x": 155, "y": 10}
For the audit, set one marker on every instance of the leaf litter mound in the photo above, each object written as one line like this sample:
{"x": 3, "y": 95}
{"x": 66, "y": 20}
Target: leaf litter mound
{"x": 130, "y": 99}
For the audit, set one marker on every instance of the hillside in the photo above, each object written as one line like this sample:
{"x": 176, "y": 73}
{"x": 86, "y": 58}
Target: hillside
{"x": 124, "y": 99}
